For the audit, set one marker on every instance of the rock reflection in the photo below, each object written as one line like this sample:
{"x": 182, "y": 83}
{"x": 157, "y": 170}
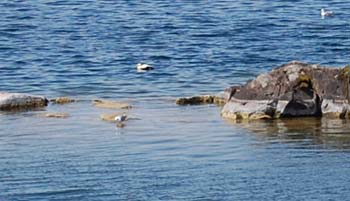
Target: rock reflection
{"x": 329, "y": 133}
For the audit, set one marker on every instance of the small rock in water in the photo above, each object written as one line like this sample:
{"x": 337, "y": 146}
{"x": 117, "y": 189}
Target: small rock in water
{"x": 111, "y": 104}
{"x": 195, "y": 100}
{"x": 14, "y": 101}
{"x": 62, "y": 100}
{"x": 221, "y": 98}
{"x": 55, "y": 115}
{"x": 110, "y": 117}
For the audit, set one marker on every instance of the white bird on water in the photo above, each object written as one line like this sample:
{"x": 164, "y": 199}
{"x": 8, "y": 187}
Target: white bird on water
{"x": 143, "y": 67}
{"x": 120, "y": 119}
{"x": 325, "y": 13}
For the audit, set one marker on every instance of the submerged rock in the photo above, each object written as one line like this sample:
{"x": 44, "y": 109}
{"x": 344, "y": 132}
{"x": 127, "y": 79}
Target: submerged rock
{"x": 14, "y": 101}
{"x": 195, "y": 100}
{"x": 111, "y": 104}
{"x": 55, "y": 115}
{"x": 62, "y": 100}
{"x": 110, "y": 117}
{"x": 219, "y": 99}
{"x": 295, "y": 89}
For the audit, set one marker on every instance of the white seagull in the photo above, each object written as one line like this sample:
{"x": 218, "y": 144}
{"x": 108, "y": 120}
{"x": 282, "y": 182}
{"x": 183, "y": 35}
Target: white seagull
{"x": 143, "y": 67}
{"x": 325, "y": 13}
{"x": 120, "y": 118}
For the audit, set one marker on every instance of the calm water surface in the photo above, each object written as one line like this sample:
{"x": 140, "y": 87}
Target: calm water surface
{"x": 88, "y": 49}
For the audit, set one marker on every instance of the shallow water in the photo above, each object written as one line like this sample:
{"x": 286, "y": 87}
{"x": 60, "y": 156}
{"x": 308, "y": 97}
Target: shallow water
{"x": 170, "y": 153}
{"x": 88, "y": 49}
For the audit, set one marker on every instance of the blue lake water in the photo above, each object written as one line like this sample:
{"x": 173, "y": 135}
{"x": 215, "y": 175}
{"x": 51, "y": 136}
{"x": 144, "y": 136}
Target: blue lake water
{"x": 89, "y": 49}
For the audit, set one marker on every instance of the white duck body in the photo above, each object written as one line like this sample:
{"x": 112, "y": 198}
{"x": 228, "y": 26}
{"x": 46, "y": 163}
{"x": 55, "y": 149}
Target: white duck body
{"x": 143, "y": 67}
{"x": 325, "y": 13}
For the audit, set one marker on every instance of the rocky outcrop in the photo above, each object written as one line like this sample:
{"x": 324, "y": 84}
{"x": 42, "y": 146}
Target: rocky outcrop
{"x": 295, "y": 89}
{"x": 17, "y": 101}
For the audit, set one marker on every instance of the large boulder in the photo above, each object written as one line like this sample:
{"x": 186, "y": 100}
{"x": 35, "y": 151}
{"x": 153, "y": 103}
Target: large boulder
{"x": 13, "y": 101}
{"x": 294, "y": 89}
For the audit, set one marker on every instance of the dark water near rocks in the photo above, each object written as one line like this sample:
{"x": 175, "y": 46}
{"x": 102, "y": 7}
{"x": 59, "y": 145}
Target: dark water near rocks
{"x": 89, "y": 49}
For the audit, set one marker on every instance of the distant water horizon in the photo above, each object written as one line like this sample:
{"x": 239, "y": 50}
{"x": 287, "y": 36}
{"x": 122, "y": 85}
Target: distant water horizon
{"x": 89, "y": 49}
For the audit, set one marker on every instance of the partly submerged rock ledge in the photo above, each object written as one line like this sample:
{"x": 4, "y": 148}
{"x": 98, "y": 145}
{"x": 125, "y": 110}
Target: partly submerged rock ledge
{"x": 13, "y": 101}
{"x": 294, "y": 89}
{"x": 204, "y": 99}
{"x": 62, "y": 100}
{"x": 111, "y": 104}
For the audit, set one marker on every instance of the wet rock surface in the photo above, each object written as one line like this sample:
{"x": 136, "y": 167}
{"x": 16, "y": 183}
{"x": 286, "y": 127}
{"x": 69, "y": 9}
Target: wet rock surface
{"x": 18, "y": 101}
{"x": 294, "y": 89}
{"x": 110, "y": 117}
{"x": 195, "y": 100}
{"x": 62, "y": 100}
{"x": 219, "y": 99}
{"x": 111, "y": 104}
{"x": 55, "y": 115}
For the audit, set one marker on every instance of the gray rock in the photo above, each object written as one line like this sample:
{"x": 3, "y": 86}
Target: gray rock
{"x": 12, "y": 101}
{"x": 335, "y": 109}
{"x": 295, "y": 89}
